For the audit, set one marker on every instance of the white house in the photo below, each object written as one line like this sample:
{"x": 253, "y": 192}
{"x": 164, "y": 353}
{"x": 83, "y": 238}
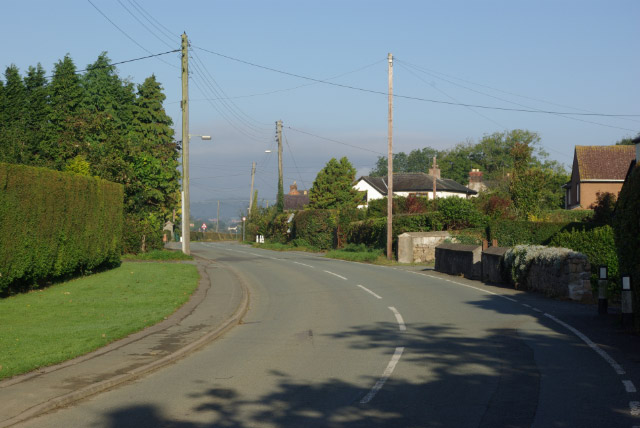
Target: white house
{"x": 413, "y": 183}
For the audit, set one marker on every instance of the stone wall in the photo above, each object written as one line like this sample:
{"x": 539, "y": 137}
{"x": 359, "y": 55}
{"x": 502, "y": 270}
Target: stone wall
{"x": 418, "y": 247}
{"x": 457, "y": 259}
{"x": 569, "y": 280}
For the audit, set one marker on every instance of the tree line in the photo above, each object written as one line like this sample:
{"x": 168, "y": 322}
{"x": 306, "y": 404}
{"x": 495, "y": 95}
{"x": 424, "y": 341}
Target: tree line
{"x": 98, "y": 124}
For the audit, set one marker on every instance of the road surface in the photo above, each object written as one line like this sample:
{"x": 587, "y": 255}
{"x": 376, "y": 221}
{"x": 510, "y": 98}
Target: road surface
{"x": 328, "y": 343}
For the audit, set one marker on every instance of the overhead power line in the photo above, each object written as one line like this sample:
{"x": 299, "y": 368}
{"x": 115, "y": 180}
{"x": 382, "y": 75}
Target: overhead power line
{"x": 127, "y": 35}
{"x": 335, "y": 141}
{"x": 408, "y": 97}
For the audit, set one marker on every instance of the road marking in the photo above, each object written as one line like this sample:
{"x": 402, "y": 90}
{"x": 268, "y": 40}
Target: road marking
{"x": 303, "y": 264}
{"x": 387, "y": 372}
{"x": 629, "y": 386}
{"x": 335, "y": 274}
{"x": 398, "y": 318}
{"x": 634, "y": 406}
{"x": 369, "y": 291}
{"x": 480, "y": 289}
{"x": 617, "y": 367}
{"x": 537, "y": 310}
{"x": 526, "y": 306}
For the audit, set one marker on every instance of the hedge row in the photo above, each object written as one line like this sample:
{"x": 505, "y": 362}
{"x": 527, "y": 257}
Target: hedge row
{"x": 373, "y": 231}
{"x": 316, "y": 228}
{"x": 627, "y": 235}
{"x": 510, "y": 232}
{"x": 599, "y": 246}
{"x": 54, "y": 224}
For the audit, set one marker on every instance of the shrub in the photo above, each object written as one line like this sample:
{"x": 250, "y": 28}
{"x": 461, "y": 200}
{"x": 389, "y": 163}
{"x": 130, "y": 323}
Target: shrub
{"x": 316, "y": 227}
{"x": 599, "y": 246}
{"x": 518, "y": 260}
{"x": 278, "y": 229}
{"x": 372, "y": 232}
{"x": 515, "y": 232}
{"x": 459, "y": 213}
{"x": 141, "y": 234}
{"x": 603, "y": 207}
{"x": 626, "y": 225}
{"x": 55, "y": 224}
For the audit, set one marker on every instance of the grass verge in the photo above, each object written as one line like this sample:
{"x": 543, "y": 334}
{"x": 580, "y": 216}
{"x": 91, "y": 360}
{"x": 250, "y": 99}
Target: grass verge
{"x": 356, "y": 256}
{"x": 158, "y": 255}
{"x": 52, "y": 325}
{"x": 276, "y": 246}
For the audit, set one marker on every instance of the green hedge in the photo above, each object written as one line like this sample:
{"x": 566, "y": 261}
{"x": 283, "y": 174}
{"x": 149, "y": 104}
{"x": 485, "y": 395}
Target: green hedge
{"x": 373, "y": 231}
{"x": 512, "y": 232}
{"x": 626, "y": 223}
{"x": 316, "y": 228}
{"x": 54, "y": 224}
{"x": 599, "y": 246}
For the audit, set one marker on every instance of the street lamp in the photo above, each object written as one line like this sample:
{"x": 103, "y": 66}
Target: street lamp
{"x": 185, "y": 191}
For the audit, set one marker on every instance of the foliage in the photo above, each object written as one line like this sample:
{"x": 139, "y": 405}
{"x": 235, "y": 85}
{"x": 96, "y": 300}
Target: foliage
{"x": 372, "y": 232}
{"x": 356, "y": 253}
{"x": 526, "y": 183}
{"x": 604, "y": 207}
{"x": 316, "y": 227}
{"x": 598, "y": 245}
{"x": 95, "y": 124}
{"x": 279, "y": 228}
{"x": 73, "y": 318}
{"x": 158, "y": 255}
{"x": 459, "y": 213}
{"x": 518, "y": 260}
{"x": 332, "y": 188}
{"x": 55, "y": 224}
{"x": 568, "y": 216}
{"x": 471, "y": 236}
{"x": 516, "y": 232}
{"x": 626, "y": 225}
{"x": 417, "y": 160}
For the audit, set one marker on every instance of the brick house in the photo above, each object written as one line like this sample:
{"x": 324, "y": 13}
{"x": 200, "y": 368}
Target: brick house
{"x": 295, "y": 200}
{"x": 596, "y": 169}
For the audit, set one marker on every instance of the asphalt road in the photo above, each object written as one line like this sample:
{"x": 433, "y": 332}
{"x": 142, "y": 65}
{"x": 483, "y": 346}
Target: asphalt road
{"x": 334, "y": 344}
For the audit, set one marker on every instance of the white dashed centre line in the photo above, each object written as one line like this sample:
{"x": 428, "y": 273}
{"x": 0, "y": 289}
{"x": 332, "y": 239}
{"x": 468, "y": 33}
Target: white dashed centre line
{"x": 629, "y": 386}
{"x": 369, "y": 291}
{"x": 303, "y": 264}
{"x": 387, "y": 372}
{"x": 398, "y": 318}
{"x": 335, "y": 274}
{"x": 634, "y": 406}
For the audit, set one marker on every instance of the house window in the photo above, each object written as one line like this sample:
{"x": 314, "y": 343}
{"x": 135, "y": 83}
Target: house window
{"x": 578, "y": 193}
{"x": 568, "y": 197}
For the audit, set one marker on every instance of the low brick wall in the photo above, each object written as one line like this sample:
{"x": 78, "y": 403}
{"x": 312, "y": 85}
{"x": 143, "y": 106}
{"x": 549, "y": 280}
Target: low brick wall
{"x": 458, "y": 259}
{"x": 418, "y": 247}
{"x": 571, "y": 280}
{"x": 491, "y": 261}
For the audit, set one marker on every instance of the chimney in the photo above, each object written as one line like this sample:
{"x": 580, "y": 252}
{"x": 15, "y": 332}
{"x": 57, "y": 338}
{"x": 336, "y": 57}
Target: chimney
{"x": 475, "y": 176}
{"x": 435, "y": 171}
{"x": 293, "y": 189}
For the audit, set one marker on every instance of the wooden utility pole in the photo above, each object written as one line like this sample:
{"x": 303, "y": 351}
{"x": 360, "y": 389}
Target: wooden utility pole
{"x": 280, "y": 200}
{"x": 390, "y": 165}
{"x": 218, "y": 218}
{"x": 253, "y": 174}
{"x": 434, "y": 179}
{"x": 185, "y": 146}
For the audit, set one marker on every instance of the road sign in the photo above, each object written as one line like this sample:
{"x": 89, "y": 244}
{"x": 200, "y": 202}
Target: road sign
{"x": 204, "y": 226}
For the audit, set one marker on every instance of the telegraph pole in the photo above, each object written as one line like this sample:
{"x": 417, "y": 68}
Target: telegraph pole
{"x": 253, "y": 175}
{"x": 280, "y": 201}
{"x": 185, "y": 146}
{"x": 218, "y": 217}
{"x": 390, "y": 165}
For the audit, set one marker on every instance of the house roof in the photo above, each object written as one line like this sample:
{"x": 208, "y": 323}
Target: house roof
{"x": 416, "y": 182}
{"x": 604, "y": 162}
{"x": 295, "y": 202}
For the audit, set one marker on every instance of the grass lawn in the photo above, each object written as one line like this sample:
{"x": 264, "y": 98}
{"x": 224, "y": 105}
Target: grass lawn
{"x": 48, "y": 326}
{"x": 158, "y": 255}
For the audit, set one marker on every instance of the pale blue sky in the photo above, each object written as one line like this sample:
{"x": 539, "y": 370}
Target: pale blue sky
{"x": 577, "y": 54}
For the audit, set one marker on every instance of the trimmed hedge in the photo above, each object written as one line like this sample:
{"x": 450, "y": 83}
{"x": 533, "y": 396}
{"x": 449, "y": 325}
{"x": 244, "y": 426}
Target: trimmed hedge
{"x": 316, "y": 228}
{"x": 599, "y": 246}
{"x": 510, "y": 233}
{"x": 54, "y": 224}
{"x": 626, "y": 224}
{"x": 373, "y": 231}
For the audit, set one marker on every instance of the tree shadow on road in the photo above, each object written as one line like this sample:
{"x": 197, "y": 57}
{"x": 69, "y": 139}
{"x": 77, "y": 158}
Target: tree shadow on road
{"x": 447, "y": 377}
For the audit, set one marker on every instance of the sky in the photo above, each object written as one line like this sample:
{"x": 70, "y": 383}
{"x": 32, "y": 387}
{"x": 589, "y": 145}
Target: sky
{"x": 558, "y": 56}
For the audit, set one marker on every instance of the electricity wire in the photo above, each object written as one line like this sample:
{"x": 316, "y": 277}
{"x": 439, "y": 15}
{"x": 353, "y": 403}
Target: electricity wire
{"x": 127, "y": 35}
{"x": 355, "y": 88}
{"x": 294, "y": 160}
{"x": 335, "y": 141}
